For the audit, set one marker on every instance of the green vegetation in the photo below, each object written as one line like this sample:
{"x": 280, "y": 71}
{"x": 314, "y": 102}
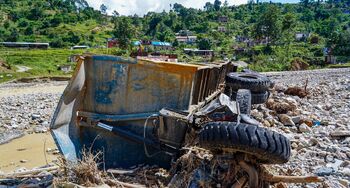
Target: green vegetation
{"x": 41, "y": 62}
{"x": 262, "y": 34}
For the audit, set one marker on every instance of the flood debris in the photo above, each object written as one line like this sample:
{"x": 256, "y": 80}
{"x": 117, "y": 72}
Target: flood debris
{"x": 281, "y": 106}
{"x": 83, "y": 172}
{"x": 298, "y": 91}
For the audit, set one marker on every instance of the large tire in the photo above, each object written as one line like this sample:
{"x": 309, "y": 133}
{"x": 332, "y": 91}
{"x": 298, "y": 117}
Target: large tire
{"x": 267, "y": 146}
{"x": 256, "y": 98}
{"x": 244, "y": 98}
{"x": 254, "y": 82}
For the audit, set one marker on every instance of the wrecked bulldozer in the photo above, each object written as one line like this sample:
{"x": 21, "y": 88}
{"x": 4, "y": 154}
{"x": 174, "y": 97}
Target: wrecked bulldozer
{"x": 151, "y": 112}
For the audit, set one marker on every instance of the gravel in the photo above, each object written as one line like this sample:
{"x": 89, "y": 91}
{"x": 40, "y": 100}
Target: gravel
{"x": 321, "y": 138}
{"x": 27, "y": 108}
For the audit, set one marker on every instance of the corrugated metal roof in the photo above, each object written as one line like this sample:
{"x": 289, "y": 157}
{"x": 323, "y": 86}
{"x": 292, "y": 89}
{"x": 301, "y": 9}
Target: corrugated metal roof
{"x": 157, "y": 43}
{"x": 136, "y": 43}
{"x": 24, "y": 43}
{"x": 154, "y": 43}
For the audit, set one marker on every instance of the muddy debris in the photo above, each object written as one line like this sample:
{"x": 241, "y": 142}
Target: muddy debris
{"x": 298, "y": 91}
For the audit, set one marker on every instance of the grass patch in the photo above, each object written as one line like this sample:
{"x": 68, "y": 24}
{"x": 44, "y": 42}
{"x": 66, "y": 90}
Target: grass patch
{"x": 41, "y": 62}
{"x": 345, "y": 65}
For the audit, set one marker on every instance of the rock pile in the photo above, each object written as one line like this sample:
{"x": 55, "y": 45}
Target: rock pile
{"x": 317, "y": 125}
{"x": 25, "y": 113}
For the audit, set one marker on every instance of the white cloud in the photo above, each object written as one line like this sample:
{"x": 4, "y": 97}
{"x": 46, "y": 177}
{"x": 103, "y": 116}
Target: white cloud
{"x": 141, "y": 7}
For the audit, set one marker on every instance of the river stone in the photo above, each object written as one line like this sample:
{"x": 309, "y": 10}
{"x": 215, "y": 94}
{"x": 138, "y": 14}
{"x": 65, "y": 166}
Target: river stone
{"x": 35, "y": 116}
{"x": 286, "y": 120}
{"x": 304, "y": 128}
{"x": 324, "y": 171}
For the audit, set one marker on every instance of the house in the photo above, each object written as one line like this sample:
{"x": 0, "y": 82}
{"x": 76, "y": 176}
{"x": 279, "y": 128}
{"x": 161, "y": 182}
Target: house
{"x": 186, "y": 36}
{"x": 158, "y": 57}
{"x": 161, "y": 45}
{"x": 223, "y": 19}
{"x": 155, "y": 44}
{"x": 65, "y": 68}
{"x": 239, "y": 50}
{"x": 142, "y": 42}
{"x": 330, "y": 59}
{"x": 185, "y": 33}
{"x": 111, "y": 42}
{"x": 186, "y": 39}
{"x": 79, "y": 47}
{"x": 239, "y": 38}
{"x": 222, "y": 29}
{"x": 193, "y": 51}
{"x": 29, "y": 45}
{"x": 301, "y": 36}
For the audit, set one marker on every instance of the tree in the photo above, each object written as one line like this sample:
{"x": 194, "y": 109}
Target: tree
{"x": 29, "y": 30}
{"x": 56, "y": 20}
{"x": 340, "y": 43}
{"x": 164, "y": 33}
{"x": 81, "y": 4}
{"x": 115, "y": 13}
{"x": 217, "y": 5}
{"x": 288, "y": 25}
{"x": 288, "y": 22}
{"x": 35, "y": 13}
{"x": 22, "y": 22}
{"x": 124, "y": 32}
{"x": 209, "y": 6}
{"x": 268, "y": 24}
{"x": 204, "y": 44}
{"x": 225, "y": 3}
{"x": 103, "y": 9}
{"x": 6, "y": 24}
{"x": 13, "y": 36}
{"x": 178, "y": 7}
{"x": 72, "y": 38}
{"x": 305, "y": 3}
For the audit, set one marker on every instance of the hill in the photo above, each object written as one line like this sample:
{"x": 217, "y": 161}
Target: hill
{"x": 60, "y": 22}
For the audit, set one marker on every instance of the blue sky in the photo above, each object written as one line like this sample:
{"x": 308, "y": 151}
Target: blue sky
{"x": 140, "y": 7}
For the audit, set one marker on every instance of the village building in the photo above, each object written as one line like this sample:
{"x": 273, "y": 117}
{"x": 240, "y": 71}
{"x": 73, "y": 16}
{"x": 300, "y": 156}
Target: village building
{"x": 186, "y": 36}
{"x": 186, "y": 39}
{"x": 197, "y": 52}
{"x": 65, "y": 68}
{"x": 301, "y": 36}
{"x": 29, "y": 45}
{"x": 79, "y": 47}
{"x": 223, "y": 19}
{"x": 111, "y": 43}
{"x": 161, "y": 45}
{"x": 222, "y": 29}
{"x": 156, "y": 44}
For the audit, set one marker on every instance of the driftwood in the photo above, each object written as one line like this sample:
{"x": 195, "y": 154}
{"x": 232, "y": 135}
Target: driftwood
{"x": 28, "y": 172}
{"x": 123, "y": 184}
{"x": 292, "y": 179}
{"x": 121, "y": 172}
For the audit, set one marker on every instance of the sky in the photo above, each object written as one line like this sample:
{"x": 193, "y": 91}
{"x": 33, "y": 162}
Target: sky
{"x": 141, "y": 7}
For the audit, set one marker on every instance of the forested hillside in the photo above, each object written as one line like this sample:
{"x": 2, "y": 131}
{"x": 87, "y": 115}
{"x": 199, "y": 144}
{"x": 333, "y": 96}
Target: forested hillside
{"x": 263, "y": 34}
{"x": 60, "y": 22}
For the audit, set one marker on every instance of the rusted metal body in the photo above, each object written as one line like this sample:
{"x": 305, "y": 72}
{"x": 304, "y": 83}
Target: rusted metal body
{"x": 109, "y": 96}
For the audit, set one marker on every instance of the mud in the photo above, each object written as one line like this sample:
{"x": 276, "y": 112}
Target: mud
{"x": 29, "y": 151}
